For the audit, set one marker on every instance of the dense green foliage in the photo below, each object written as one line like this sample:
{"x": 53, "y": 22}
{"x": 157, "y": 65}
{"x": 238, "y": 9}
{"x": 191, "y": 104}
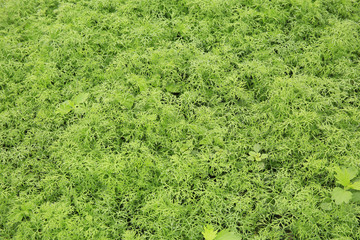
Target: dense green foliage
{"x": 134, "y": 119}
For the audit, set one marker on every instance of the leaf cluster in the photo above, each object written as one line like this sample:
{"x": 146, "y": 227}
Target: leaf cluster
{"x": 210, "y": 234}
{"x": 134, "y": 119}
{"x": 344, "y": 177}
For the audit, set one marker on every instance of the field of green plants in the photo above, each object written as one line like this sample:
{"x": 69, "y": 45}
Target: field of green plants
{"x": 180, "y": 119}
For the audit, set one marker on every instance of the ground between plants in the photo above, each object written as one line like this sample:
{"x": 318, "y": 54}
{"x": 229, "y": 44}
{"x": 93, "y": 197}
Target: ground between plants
{"x": 135, "y": 119}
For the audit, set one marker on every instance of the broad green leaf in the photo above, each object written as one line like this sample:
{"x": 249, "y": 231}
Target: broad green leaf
{"x": 344, "y": 175}
{"x": 257, "y": 147}
{"x": 355, "y": 185}
{"x": 226, "y": 235}
{"x": 264, "y": 156}
{"x": 65, "y": 107}
{"x": 352, "y": 172}
{"x": 209, "y": 233}
{"x": 340, "y": 196}
{"x": 253, "y": 154}
{"x": 81, "y": 98}
{"x": 356, "y": 197}
{"x": 258, "y": 157}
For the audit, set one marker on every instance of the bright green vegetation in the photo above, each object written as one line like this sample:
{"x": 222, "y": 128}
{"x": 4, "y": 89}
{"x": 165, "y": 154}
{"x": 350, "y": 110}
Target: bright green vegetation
{"x": 135, "y": 119}
{"x": 344, "y": 177}
{"x": 210, "y": 234}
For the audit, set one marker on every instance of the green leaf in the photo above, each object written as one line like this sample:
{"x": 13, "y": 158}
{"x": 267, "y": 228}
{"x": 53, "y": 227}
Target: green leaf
{"x": 352, "y": 172}
{"x": 257, "y": 148}
{"x": 209, "y": 233}
{"x": 356, "y": 197}
{"x": 65, "y": 107}
{"x": 344, "y": 175}
{"x": 355, "y": 185}
{"x": 264, "y": 156}
{"x": 227, "y": 235}
{"x": 253, "y": 154}
{"x": 81, "y": 98}
{"x": 340, "y": 196}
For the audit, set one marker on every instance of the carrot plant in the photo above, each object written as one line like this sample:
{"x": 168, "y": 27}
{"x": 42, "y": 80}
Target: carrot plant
{"x": 137, "y": 119}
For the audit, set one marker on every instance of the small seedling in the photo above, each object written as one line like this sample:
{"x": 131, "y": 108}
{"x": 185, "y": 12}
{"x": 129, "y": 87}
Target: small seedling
{"x": 210, "y": 234}
{"x": 70, "y": 105}
{"x": 256, "y": 155}
{"x": 344, "y": 177}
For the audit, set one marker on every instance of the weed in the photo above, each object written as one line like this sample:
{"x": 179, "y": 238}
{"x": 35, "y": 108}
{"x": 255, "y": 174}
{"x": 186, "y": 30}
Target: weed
{"x": 256, "y": 155}
{"x": 137, "y": 119}
{"x": 210, "y": 234}
{"x": 344, "y": 177}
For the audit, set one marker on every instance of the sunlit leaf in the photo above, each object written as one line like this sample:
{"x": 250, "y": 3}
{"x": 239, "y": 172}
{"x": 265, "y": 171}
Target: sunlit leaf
{"x": 344, "y": 175}
{"x": 257, "y": 148}
{"x": 209, "y": 233}
{"x": 227, "y": 235}
{"x": 356, "y": 197}
{"x": 340, "y": 196}
{"x": 81, "y": 98}
{"x": 355, "y": 185}
{"x": 65, "y": 107}
{"x": 253, "y": 154}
